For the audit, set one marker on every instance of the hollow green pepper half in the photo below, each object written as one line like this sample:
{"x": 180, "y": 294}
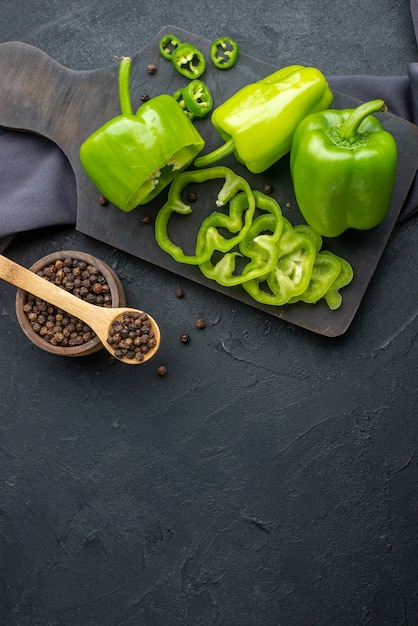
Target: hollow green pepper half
{"x": 258, "y": 247}
{"x": 209, "y": 238}
{"x": 188, "y": 60}
{"x": 258, "y": 122}
{"x": 343, "y": 166}
{"x": 132, "y": 158}
{"x": 224, "y": 53}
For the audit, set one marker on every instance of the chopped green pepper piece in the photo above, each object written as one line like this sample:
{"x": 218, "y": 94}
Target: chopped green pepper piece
{"x": 198, "y": 98}
{"x": 188, "y": 60}
{"x": 259, "y": 244}
{"x": 209, "y": 239}
{"x": 168, "y": 43}
{"x": 132, "y": 158}
{"x": 179, "y": 97}
{"x": 258, "y": 122}
{"x": 343, "y": 166}
{"x": 224, "y": 52}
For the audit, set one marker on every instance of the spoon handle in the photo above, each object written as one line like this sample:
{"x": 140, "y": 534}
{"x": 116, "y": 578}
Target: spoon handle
{"x": 40, "y": 287}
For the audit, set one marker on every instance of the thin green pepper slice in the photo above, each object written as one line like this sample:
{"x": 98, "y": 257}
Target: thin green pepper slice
{"x": 198, "y": 98}
{"x": 224, "y": 52}
{"x": 325, "y": 271}
{"x": 333, "y": 297}
{"x": 259, "y": 244}
{"x": 292, "y": 272}
{"x": 188, "y": 60}
{"x": 167, "y": 44}
{"x": 209, "y": 239}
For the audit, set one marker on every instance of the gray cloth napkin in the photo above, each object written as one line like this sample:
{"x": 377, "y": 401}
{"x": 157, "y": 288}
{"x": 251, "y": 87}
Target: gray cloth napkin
{"x": 37, "y": 184}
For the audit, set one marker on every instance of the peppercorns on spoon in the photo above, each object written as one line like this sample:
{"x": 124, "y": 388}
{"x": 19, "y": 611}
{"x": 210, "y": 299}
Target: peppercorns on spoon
{"x": 115, "y": 327}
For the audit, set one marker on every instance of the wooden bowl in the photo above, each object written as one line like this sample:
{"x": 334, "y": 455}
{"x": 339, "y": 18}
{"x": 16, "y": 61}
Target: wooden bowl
{"x": 94, "y": 344}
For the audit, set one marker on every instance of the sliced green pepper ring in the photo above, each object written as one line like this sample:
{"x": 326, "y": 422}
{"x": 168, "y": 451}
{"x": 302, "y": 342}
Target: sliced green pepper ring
{"x": 188, "y": 60}
{"x": 179, "y": 97}
{"x": 209, "y": 238}
{"x": 258, "y": 247}
{"x": 224, "y": 52}
{"x": 198, "y": 98}
{"x": 167, "y": 45}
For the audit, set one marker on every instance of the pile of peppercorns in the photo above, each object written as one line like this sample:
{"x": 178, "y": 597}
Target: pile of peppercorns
{"x": 54, "y": 325}
{"x": 132, "y": 337}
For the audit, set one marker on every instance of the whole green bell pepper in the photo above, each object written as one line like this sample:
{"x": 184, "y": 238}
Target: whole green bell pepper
{"x": 343, "y": 167}
{"x": 257, "y": 123}
{"x": 132, "y": 158}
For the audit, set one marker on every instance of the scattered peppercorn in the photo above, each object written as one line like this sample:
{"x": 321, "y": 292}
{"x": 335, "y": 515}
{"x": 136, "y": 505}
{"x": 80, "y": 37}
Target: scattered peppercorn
{"x": 145, "y": 97}
{"x": 289, "y": 205}
{"x": 267, "y": 188}
{"x": 162, "y": 370}
{"x": 151, "y": 68}
{"x": 102, "y": 200}
{"x": 179, "y": 293}
{"x": 192, "y": 196}
{"x": 53, "y": 324}
{"x": 146, "y": 219}
{"x": 184, "y": 338}
{"x": 132, "y": 337}
{"x": 200, "y": 323}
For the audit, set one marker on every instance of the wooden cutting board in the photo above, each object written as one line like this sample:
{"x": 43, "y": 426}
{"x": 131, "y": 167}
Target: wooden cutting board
{"x": 39, "y": 95}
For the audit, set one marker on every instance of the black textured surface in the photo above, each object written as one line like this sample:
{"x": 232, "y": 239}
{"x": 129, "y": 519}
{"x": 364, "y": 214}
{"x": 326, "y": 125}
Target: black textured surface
{"x": 270, "y": 478}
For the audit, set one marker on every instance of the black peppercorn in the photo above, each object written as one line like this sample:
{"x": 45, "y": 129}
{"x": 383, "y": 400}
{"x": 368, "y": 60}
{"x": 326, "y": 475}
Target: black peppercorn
{"x": 54, "y": 325}
{"x": 192, "y": 196}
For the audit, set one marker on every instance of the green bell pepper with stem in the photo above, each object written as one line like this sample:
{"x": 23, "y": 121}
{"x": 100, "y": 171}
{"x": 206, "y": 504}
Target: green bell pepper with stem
{"x": 133, "y": 157}
{"x": 343, "y": 167}
{"x": 257, "y": 123}
{"x": 259, "y": 245}
{"x": 209, "y": 239}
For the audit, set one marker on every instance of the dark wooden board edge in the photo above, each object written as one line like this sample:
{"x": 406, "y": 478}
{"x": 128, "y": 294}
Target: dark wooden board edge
{"x": 67, "y": 105}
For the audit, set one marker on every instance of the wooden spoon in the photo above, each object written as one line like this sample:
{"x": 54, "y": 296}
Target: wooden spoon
{"x": 100, "y": 319}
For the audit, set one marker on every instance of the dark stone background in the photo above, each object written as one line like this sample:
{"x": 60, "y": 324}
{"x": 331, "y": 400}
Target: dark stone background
{"x": 270, "y": 479}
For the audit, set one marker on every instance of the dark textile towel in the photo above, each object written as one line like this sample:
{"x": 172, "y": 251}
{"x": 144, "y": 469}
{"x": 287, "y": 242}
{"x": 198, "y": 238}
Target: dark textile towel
{"x": 37, "y": 185}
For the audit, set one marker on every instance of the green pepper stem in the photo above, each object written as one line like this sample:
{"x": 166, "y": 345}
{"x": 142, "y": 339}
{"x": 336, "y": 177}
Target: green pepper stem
{"x": 123, "y": 84}
{"x": 216, "y": 155}
{"x": 349, "y": 129}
